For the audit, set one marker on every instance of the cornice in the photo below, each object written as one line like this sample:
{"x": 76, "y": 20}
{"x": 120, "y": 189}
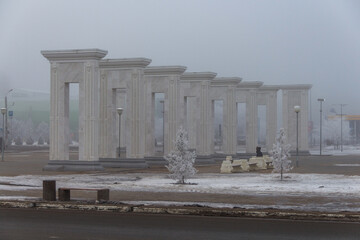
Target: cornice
{"x": 124, "y": 63}
{"x": 269, "y": 88}
{"x": 226, "y": 81}
{"x": 198, "y": 76}
{"x": 250, "y": 84}
{"x": 295, "y": 87}
{"x": 164, "y": 70}
{"x": 76, "y": 54}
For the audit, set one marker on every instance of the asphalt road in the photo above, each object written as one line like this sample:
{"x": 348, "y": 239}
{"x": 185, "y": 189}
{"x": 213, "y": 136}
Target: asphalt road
{"x": 49, "y": 224}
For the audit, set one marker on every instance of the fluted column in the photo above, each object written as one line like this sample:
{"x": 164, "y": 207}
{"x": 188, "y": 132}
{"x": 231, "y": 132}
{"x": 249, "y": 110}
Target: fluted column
{"x": 251, "y": 122}
{"x": 205, "y": 137}
{"x": 59, "y": 116}
{"x": 271, "y": 119}
{"x": 296, "y": 95}
{"x": 135, "y": 118}
{"x": 230, "y": 125}
{"x": 89, "y": 113}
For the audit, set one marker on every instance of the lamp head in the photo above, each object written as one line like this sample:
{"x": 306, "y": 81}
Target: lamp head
{"x": 119, "y": 111}
{"x": 321, "y": 99}
{"x": 3, "y": 111}
{"x": 297, "y": 109}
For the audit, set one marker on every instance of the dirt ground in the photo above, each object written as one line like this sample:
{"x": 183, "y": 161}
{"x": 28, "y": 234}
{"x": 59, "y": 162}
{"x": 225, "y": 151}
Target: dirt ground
{"x": 31, "y": 160}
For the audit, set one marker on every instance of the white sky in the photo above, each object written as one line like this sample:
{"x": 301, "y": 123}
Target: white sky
{"x": 278, "y": 42}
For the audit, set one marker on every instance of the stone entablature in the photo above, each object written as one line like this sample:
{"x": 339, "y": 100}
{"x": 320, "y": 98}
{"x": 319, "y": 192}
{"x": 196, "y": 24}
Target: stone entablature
{"x": 124, "y": 63}
{"x": 74, "y": 55}
{"x": 165, "y": 70}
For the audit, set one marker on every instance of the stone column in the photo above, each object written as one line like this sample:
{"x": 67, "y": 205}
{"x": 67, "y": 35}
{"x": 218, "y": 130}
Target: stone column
{"x": 230, "y": 123}
{"x": 251, "y": 122}
{"x": 191, "y": 122}
{"x": 206, "y": 123}
{"x": 211, "y": 128}
{"x": 89, "y": 113}
{"x": 106, "y": 148}
{"x": 296, "y": 95}
{"x": 135, "y": 118}
{"x": 150, "y": 123}
{"x": 59, "y": 116}
{"x": 171, "y": 113}
{"x": 271, "y": 120}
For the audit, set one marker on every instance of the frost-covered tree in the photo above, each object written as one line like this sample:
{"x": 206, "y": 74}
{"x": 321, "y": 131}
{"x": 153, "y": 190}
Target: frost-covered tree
{"x": 280, "y": 154}
{"x": 181, "y": 160}
{"x": 331, "y": 131}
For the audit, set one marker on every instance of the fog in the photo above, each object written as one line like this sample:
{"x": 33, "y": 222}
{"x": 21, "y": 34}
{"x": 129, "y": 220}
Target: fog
{"x": 278, "y": 42}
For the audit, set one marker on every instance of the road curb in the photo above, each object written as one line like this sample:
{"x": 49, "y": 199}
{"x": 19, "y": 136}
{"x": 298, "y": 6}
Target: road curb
{"x": 185, "y": 210}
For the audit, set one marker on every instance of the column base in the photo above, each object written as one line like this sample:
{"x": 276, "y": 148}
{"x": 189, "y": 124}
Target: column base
{"x": 76, "y": 165}
{"x": 156, "y": 161}
{"x": 138, "y": 163}
{"x": 204, "y": 160}
{"x": 301, "y": 153}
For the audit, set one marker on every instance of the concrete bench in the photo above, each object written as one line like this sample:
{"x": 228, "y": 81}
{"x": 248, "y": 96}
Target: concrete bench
{"x": 253, "y": 166}
{"x": 102, "y": 194}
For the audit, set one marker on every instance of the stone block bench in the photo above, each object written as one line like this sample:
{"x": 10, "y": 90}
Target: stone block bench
{"x": 102, "y": 193}
{"x": 234, "y": 166}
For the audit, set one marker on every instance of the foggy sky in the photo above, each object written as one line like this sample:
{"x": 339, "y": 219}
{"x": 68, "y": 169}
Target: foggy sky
{"x": 277, "y": 42}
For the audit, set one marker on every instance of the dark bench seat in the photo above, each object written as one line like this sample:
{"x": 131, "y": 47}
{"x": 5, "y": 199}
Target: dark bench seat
{"x": 102, "y": 193}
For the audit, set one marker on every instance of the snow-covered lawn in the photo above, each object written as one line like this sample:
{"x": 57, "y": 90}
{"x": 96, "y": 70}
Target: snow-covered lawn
{"x": 329, "y": 150}
{"x": 245, "y": 183}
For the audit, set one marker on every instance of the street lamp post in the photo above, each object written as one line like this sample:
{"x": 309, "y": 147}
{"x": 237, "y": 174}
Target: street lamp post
{"x": 297, "y": 110}
{"x": 341, "y": 127}
{"x": 321, "y": 100}
{"x": 163, "y": 128}
{"x": 119, "y": 111}
{"x": 6, "y": 122}
{"x": 3, "y": 112}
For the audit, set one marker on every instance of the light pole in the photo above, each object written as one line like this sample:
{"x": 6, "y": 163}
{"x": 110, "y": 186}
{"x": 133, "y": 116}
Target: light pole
{"x": 297, "y": 110}
{"x": 321, "y": 100}
{"x": 341, "y": 128}
{"x": 6, "y": 122}
{"x": 3, "y": 112}
{"x": 163, "y": 115}
{"x": 119, "y": 111}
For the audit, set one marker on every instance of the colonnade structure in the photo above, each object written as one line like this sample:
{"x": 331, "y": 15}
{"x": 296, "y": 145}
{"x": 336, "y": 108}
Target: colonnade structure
{"x": 189, "y": 100}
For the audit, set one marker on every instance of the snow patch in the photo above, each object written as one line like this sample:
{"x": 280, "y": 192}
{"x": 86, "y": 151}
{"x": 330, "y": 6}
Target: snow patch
{"x": 238, "y": 184}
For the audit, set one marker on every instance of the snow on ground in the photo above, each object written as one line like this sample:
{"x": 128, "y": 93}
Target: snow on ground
{"x": 240, "y": 184}
{"x": 329, "y": 150}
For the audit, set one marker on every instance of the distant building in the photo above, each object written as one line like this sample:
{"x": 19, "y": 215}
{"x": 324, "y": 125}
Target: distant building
{"x": 354, "y": 124}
